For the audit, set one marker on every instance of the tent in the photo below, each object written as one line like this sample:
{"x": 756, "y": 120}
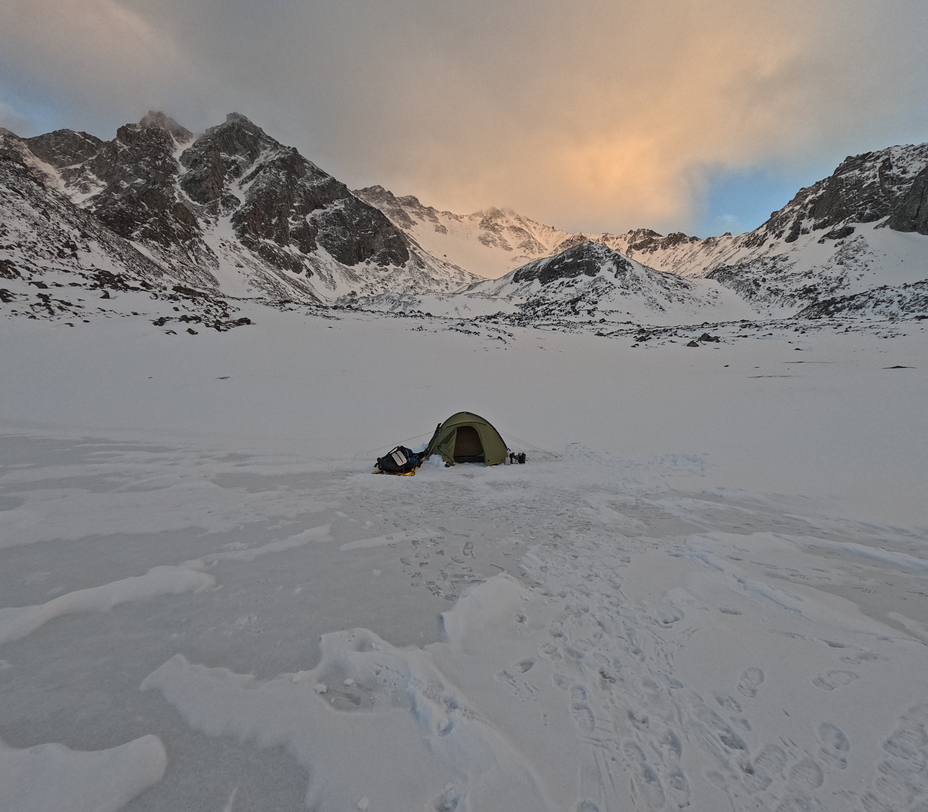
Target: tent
{"x": 467, "y": 437}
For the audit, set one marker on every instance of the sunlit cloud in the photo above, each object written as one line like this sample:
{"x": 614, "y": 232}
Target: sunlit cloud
{"x": 598, "y": 115}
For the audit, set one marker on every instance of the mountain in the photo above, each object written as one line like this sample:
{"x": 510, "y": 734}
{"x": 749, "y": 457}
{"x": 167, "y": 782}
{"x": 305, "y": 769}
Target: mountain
{"x": 233, "y": 211}
{"x": 858, "y": 230}
{"x": 488, "y": 243}
{"x": 590, "y": 280}
{"x": 60, "y": 262}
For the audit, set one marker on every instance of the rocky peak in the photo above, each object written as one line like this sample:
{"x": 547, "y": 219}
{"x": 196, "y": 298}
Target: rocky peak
{"x": 222, "y": 154}
{"x": 863, "y": 189}
{"x": 164, "y": 122}
{"x": 375, "y": 192}
{"x": 584, "y": 259}
{"x": 63, "y": 148}
{"x": 12, "y": 146}
{"x": 494, "y": 219}
{"x": 396, "y": 208}
{"x": 238, "y": 135}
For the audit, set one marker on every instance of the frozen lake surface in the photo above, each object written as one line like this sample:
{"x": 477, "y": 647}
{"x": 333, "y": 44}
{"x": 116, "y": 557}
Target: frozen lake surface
{"x": 707, "y": 589}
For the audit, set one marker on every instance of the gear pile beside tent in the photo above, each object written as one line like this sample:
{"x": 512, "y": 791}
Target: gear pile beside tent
{"x": 463, "y": 437}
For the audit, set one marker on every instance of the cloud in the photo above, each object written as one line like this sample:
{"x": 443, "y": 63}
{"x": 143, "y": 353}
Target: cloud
{"x": 597, "y": 115}
{"x": 89, "y": 58}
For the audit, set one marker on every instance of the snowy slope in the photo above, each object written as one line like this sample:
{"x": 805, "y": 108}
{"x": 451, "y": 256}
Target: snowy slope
{"x": 703, "y": 591}
{"x": 592, "y": 281}
{"x": 487, "y": 243}
{"x": 59, "y": 263}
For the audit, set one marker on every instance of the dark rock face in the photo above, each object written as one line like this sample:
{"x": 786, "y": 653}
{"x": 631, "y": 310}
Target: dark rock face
{"x": 912, "y": 212}
{"x": 354, "y": 232}
{"x": 222, "y": 155}
{"x": 289, "y": 202}
{"x": 138, "y": 200}
{"x": 161, "y": 187}
{"x": 63, "y": 148}
{"x": 863, "y": 189}
{"x": 585, "y": 259}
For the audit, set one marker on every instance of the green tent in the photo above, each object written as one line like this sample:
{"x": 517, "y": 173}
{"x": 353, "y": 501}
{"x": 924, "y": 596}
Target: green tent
{"x": 466, "y": 437}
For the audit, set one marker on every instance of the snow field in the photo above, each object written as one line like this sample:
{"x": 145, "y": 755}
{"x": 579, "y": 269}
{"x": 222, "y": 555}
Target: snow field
{"x": 687, "y": 601}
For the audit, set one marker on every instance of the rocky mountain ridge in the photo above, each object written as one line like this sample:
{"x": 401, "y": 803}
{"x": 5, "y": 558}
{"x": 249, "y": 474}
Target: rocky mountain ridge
{"x": 590, "y": 280}
{"x": 858, "y": 230}
{"x": 234, "y": 212}
{"x": 60, "y": 262}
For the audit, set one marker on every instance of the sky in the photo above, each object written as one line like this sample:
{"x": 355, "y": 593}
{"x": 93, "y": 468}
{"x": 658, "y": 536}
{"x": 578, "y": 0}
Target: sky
{"x": 700, "y": 116}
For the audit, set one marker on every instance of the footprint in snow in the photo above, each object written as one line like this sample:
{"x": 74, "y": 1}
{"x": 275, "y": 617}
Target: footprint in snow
{"x": 645, "y": 781}
{"x": 862, "y": 656}
{"x": 909, "y": 740}
{"x": 835, "y": 745}
{"x": 834, "y": 679}
{"x": 767, "y": 766}
{"x": 580, "y": 710}
{"x": 729, "y": 703}
{"x": 751, "y": 680}
{"x": 806, "y": 775}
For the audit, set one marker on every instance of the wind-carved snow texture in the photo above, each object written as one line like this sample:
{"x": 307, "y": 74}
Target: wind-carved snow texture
{"x": 605, "y": 642}
{"x": 700, "y": 597}
{"x": 53, "y": 777}
{"x": 18, "y": 622}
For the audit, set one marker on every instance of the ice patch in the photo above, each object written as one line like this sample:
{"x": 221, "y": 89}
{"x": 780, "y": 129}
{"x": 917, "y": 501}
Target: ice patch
{"x": 384, "y": 541}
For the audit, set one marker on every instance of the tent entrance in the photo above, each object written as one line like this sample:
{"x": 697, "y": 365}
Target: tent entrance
{"x": 467, "y": 445}
{"x": 467, "y": 437}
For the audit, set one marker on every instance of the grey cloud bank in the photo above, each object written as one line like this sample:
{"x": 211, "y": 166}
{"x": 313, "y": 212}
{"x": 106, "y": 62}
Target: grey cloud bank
{"x": 600, "y": 116}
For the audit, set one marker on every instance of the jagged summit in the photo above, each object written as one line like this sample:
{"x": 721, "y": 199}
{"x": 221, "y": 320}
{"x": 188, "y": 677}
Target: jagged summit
{"x": 867, "y": 188}
{"x": 164, "y": 122}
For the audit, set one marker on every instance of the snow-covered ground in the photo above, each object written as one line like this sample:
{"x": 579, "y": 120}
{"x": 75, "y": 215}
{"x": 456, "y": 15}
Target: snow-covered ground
{"x": 707, "y": 588}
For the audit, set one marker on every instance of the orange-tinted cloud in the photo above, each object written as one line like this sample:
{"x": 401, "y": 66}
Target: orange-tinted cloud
{"x": 598, "y": 114}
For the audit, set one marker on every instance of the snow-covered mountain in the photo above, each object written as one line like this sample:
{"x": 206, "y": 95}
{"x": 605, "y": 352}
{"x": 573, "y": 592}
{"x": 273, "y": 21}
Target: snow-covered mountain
{"x": 59, "y": 261}
{"x": 488, "y": 243}
{"x": 593, "y": 281}
{"x": 863, "y": 228}
{"x": 233, "y": 212}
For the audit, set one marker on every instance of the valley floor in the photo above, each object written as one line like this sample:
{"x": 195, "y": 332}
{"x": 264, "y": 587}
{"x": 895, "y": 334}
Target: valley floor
{"x": 707, "y": 589}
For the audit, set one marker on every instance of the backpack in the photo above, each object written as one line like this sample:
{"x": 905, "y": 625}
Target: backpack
{"x": 400, "y": 461}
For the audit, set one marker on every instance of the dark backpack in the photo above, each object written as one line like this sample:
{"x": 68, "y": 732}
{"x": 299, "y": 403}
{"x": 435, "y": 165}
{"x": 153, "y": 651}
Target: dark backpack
{"x": 400, "y": 460}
